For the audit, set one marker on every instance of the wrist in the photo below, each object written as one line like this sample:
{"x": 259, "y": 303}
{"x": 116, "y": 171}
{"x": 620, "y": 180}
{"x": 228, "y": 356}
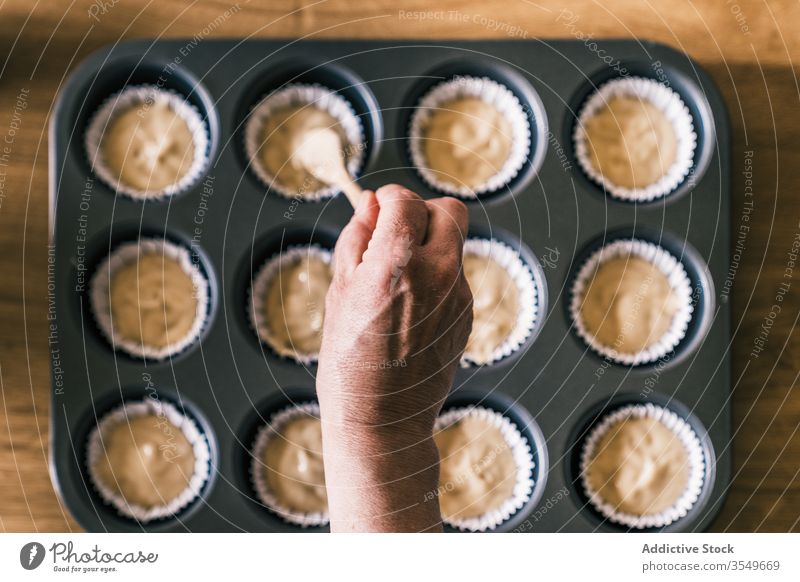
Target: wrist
{"x": 381, "y": 480}
{"x": 381, "y": 452}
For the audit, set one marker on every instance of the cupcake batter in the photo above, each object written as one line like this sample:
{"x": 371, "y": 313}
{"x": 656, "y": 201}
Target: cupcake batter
{"x": 293, "y": 466}
{"x": 477, "y": 471}
{"x": 284, "y": 131}
{"x": 631, "y": 142}
{"x": 153, "y": 301}
{"x": 148, "y": 461}
{"x": 295, "y": 305}
{"x": 495, "y": 306}
{"x": 467, "y": 141}
{"x": 640, "y": 467}
{"x": 148, "y": 147}
{"x": 629, "y": 304}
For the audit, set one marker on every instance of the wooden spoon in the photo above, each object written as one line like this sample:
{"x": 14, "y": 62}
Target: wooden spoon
{"x": 321, "y": 154}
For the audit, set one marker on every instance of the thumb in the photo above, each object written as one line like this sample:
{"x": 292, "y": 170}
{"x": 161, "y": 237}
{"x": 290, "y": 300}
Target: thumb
{"x": 355, "y": 237}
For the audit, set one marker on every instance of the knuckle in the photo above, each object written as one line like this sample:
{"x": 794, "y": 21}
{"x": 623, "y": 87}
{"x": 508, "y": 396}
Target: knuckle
{"x": 452, "y": 208}
{"x": 395, "y": 192}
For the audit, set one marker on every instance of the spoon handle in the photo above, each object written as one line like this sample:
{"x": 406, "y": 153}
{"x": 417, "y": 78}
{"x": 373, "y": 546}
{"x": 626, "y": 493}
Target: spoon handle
{"x": 351, "y": 190}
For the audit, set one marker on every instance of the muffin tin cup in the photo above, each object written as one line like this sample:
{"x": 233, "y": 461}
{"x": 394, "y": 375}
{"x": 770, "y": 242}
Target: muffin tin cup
{"x": 312, "y": 96}
{"x": 528, "y": 301}
{"x": 678, "y": 281}
{"x": 259, "y": 481}
{"x": 258, "y": 292}
{"x": 491, "y": 92}
{"x": 676, "y": 112}
{"x": 95, "y": 451}
{"x": 100, "y": 293}
{"x": 523, "y": 458}
{"x": 145, "y": 96}
{"x": 695, "y": 456}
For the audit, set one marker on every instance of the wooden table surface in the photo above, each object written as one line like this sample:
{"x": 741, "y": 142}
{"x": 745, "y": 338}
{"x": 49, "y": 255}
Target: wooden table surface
{"x": 751, "y": 48}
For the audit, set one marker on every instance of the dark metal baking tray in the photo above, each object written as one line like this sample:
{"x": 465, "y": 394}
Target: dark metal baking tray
{"x": 554, "y": 387}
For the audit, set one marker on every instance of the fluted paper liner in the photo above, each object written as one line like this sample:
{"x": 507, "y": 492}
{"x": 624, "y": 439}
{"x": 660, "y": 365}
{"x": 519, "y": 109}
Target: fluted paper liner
{"x": 528, "y": 303}
{"x": 678, "y": 281}
{"x": 147, "y": 407}
{"x": 312, "y": 96}
{"x": 496, "y": 95}
{"x": 676, "y": 112}
{"x": 145, "y": 96}
{"x": 695, "y": 456}
{"x": 258, "y": 293}
{"x": 123, "y": 255}
{"x": 523, "y": 458}
{"x": 262, "y": 440}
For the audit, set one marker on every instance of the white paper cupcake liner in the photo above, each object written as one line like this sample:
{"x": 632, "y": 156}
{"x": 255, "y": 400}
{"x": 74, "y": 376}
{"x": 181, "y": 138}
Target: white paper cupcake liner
{"x": 523, "y": 279}
{"x": 492, "y": 93}
{"x": 523, "y": 458}
{"x": 676, "y": 112}
{"x": 139, "y": 96}
{"x": 313, "y": 96}
{"x": 678, "y": 281}
{"x": 695, "y": 455}
{"x": 265, "y": 495}
{"x": 258, "y": 293}
{"x": 100, "y": 294}
{"x": 96, "y": 451}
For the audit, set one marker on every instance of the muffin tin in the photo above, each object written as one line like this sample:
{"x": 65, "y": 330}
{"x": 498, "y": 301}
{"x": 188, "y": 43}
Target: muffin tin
{"x": 554, "y": 388}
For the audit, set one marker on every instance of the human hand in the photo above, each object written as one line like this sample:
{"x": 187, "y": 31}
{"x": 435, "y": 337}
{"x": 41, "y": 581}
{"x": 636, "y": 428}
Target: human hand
{"x": 398, "y": 315}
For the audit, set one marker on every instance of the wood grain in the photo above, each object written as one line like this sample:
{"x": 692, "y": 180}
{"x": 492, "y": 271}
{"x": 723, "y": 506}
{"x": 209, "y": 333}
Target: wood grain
{"x": 752, "y": 50}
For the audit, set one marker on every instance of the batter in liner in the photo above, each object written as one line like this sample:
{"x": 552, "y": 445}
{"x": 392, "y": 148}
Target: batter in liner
{"x": 477, "y": 472}
{"x": 147, "y": 460}
{"x": 284, "y": 131}
{"x": 629, "y": 304}
{"x": 148, "y": 147}
{"x": 639, "y": 467}
{"x": 631, "y": 142}
{"x": 466, "y": 141}
{"x": 293, "y": 466}
{"x": 495, "y": 306}
{"x": 294, "y": 307}
{"x": 153, "y": 301}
